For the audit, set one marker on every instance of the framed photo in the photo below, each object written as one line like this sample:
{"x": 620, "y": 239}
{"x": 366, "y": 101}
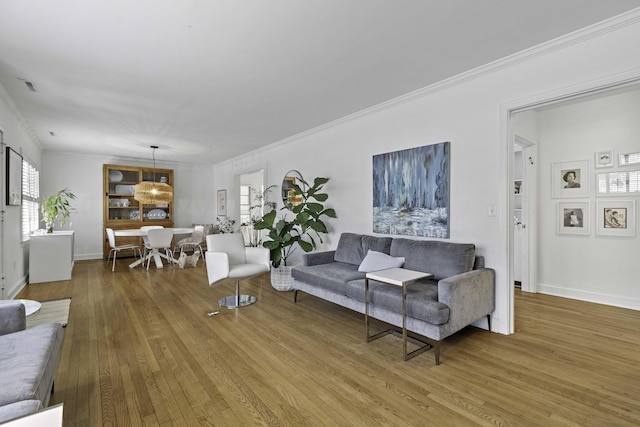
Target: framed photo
{"x": 604, "y": 159}
{"x": 616, "y": 218}
{"x": 222, "y": 202}
{"x": 14, "y": 178}
{"x": 570, "y": 179}
{"x": 573, "y": 218}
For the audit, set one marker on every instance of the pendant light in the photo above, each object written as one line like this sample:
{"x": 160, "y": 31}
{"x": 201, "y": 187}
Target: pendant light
{"x": 152, "y": 192}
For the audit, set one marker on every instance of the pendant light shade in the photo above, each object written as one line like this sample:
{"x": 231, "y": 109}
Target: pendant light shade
{"x": 152, "y": 192}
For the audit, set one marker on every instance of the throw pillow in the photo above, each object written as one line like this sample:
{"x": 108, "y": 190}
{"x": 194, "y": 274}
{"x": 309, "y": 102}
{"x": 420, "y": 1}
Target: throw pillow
{"x": 375, "y": 261}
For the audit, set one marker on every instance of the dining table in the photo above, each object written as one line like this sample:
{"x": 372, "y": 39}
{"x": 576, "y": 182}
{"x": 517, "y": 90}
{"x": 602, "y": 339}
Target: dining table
{"x": 157, "y": 256}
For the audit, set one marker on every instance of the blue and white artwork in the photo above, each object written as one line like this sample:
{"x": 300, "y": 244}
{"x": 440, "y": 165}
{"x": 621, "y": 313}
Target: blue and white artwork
{"x": 411, "y": 191}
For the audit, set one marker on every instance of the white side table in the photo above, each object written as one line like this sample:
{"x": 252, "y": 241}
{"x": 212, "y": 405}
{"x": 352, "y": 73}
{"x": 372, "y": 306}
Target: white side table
{"x": 395, "y": 277}
{"x": 30, "y": 306}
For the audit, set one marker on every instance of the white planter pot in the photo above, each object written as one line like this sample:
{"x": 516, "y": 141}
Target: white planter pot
{"x": 281, "y": 278}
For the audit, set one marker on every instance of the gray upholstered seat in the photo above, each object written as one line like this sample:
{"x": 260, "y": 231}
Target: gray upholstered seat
{"x": 28, "y": 361}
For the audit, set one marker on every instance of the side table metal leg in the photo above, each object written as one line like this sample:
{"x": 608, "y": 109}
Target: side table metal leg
{"x": 366, "y": 309}
{"x": 404, "y": 320}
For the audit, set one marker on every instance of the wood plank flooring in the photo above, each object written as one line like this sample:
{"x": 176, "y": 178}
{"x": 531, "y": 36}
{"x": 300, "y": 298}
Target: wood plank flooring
{"x": 139, "y": 350}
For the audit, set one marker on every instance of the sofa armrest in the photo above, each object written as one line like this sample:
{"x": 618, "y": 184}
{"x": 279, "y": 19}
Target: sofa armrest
{"x": 469, "y": 296}
{"x": 12, "y": 317}
{"x": 317, "y": 258}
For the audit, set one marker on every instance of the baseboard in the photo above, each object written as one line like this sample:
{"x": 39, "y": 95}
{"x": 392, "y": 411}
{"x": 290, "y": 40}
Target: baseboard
{"x": 614, "y": 300}
{"x": 86, "y": 257}
{"x": 13, "y": 290}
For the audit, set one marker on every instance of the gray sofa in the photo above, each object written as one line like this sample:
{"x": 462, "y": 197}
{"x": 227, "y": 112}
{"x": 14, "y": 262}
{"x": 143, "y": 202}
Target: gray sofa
{"x": 460, "y": 292}
{"x": 28, "y": 362}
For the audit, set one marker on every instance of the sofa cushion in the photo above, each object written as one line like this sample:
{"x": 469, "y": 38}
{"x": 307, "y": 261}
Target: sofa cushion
{"x": 422, "y": 299}
{"x": 375, "y": 261}
{"x": 332, "y": 276}
{"x": 352, "y": 248}
{"x": 19, "y": 409}
{"x": 29, "y": 360}
{"x": 442, "y": 259}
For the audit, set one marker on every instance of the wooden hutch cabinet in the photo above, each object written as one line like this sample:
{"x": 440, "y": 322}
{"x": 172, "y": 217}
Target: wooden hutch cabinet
{"x": 122, "y": 211}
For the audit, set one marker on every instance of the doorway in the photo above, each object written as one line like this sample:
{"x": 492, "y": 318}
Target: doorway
{"x": 524, "y": 242}
{"x": 543, "y": 275}
{"x": 250, "y": 188}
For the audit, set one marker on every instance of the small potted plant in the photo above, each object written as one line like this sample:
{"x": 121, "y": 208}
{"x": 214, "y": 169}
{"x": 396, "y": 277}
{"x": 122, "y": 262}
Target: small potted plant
{"x": 285, "y": 234}
{"x": 226, "y": 225}
{"x": 57, "y": 207}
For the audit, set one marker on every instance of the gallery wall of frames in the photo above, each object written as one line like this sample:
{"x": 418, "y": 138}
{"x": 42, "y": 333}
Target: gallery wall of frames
{"x": 616, "y": 185}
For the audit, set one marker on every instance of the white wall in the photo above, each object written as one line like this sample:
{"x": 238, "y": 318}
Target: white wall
{"x": 194, "y": 198}
{"x": 594, "y": 268}
{"x": 13, "y": 252}
{"x": 468, "y": 113}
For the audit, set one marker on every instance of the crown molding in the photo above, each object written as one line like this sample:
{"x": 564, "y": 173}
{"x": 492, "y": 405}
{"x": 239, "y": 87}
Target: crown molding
{"x": 574, "y": 38}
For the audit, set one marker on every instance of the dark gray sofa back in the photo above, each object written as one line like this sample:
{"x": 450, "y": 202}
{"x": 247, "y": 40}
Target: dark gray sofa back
{"x": 442, "y": 259}
{"x": 352, "y": 248}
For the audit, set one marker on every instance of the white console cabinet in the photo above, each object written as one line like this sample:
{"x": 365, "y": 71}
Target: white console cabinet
{"x": 50, "y": 256}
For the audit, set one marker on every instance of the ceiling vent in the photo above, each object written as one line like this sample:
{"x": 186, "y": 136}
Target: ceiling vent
{"x": 30, "y": 85}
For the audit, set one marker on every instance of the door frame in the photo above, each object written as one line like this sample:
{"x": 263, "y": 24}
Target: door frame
{"x": 507, "y": 110}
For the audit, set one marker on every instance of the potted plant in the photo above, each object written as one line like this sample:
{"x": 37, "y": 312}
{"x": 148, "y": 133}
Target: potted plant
{"x": 225, "y": 225}
{"x": 286, "y": 234}
{"x": 57, "y": 206}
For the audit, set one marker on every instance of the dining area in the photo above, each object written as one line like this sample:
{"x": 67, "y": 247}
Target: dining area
{"x": 138, "y": 219}
{"x": 153, "y": 243}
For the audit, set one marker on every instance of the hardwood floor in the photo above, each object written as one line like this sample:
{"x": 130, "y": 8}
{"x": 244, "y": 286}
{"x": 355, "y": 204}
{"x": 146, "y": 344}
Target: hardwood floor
{"x": 140, "y": 350}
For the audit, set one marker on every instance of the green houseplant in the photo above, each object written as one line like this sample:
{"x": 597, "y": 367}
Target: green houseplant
{"x": 307, "y": 225}
{"x": 57, "y": 206}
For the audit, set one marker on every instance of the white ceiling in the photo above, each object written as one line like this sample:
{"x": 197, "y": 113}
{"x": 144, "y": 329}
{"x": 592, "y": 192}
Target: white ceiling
{"x": 208, "y": 80}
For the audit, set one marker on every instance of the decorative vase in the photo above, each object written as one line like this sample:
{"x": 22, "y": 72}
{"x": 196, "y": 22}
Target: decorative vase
{"x": 281, "y": 278}
{"x": 252, "y": 237}
{"x": 49, "y": 226}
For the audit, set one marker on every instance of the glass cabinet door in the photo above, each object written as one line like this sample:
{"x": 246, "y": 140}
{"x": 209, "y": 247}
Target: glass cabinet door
{"x": 121, "y": 204}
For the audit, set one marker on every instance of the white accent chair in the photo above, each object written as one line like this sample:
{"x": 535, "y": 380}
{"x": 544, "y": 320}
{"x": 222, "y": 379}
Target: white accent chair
{"x": 228, "y": 258}
{"x": 115, "y": 249}
{"x": 160, "y": 239}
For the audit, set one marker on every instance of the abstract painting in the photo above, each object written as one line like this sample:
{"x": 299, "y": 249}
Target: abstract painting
{"x": 411, "y": 191}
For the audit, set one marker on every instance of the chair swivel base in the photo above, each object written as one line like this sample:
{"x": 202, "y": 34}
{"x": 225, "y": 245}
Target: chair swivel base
{"x": 235, "y": 301}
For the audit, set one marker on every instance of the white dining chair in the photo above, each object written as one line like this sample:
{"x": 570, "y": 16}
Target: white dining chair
{"x": 145, "y": 239}
{"x": 118, "y": 248}
{"x": 228, "y": 258}
{"x": 160, "y": 239}
{"x": 192, "y": 242}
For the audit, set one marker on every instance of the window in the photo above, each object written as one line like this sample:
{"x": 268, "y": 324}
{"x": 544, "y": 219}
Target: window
{"x": 245, "y": 204}
{"x": 613, "y": 183}
{"x": 30, "y": 196}
{"x": 629, "y": 159}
